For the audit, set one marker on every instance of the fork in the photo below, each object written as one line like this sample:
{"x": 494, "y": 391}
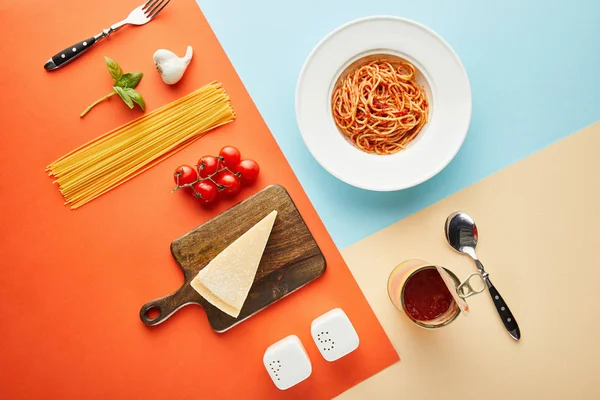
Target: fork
{"x": 139, "y": 16}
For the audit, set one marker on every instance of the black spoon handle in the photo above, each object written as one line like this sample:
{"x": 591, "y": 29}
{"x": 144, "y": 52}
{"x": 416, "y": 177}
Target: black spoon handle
{"x": 69, "y": 54}
{"x": 507, "y": 318}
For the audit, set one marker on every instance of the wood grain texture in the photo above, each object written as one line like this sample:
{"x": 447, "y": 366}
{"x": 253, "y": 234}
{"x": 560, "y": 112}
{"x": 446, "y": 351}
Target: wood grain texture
{"x": 291, "y": 258}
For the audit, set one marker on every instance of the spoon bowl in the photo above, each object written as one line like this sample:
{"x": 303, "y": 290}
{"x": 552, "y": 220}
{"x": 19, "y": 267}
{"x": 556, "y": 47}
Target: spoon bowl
{"x": 461, "y": 233}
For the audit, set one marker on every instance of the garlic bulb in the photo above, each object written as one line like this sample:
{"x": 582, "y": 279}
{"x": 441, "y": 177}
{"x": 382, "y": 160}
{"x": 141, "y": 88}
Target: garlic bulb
{"x": 169, "y": 66}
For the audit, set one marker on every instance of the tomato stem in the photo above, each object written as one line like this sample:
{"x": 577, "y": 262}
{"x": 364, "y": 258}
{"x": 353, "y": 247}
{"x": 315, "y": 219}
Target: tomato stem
{"x": 208, "y": 178}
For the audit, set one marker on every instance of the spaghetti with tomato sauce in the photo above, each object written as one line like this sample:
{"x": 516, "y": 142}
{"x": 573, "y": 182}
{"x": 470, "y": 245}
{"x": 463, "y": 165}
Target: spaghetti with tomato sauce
{"x": 379, "y": 107}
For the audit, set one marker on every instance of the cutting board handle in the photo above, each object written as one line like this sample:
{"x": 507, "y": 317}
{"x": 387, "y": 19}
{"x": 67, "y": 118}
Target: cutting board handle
{"x": 166, "y": 306}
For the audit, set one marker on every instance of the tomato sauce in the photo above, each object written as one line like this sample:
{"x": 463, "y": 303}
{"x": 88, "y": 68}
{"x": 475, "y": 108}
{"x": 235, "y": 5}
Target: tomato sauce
{"x": 426, "y": 296}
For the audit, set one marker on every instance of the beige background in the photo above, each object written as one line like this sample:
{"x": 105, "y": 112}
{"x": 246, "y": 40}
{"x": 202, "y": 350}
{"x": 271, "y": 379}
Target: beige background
{"x": 539, "y": 236}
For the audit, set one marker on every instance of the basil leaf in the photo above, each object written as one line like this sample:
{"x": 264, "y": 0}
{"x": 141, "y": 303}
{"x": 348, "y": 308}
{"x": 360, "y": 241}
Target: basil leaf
{"x": 123, "y": 94}
{"x": 114, "y": 69}
{"x": 136, "y": 97}
{"x": 130, "y": 80}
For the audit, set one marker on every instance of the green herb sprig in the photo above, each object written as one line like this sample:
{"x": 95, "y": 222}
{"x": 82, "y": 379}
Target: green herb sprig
{"x": 124, "y": 85}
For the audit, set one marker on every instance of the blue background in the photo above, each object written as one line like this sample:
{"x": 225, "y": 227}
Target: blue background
{"x": 534, "y": 67}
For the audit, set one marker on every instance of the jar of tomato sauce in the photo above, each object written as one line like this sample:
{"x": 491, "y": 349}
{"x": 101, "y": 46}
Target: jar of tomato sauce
{"x": 423, "y": 292}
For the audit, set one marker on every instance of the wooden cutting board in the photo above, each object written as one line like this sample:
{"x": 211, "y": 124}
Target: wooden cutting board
{"x": 291, "y": 259}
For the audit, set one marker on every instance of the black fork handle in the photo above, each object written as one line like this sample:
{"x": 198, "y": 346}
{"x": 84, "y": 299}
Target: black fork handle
{"x": 69, "y": 54}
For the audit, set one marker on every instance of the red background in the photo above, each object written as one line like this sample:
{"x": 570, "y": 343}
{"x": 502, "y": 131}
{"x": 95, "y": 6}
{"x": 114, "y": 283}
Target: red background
{"x": 72, "y": 282}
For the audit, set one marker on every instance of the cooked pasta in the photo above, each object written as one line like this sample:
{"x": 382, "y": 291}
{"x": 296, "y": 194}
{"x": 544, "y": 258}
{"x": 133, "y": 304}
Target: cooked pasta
{"x": 125, "y": 152}
{"x": 379, "y": 107}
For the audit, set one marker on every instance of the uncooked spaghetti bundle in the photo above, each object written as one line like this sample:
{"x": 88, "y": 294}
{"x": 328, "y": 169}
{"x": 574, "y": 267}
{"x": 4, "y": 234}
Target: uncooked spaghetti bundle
{"x": 125, "y": 152}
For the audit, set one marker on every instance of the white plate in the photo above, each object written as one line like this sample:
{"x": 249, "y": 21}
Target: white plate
{"x": 449, "y": 93}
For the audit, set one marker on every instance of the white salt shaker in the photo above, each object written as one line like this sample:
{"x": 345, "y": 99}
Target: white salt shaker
{"x": 334, "y": 334}
{"x": 287, "y": 362}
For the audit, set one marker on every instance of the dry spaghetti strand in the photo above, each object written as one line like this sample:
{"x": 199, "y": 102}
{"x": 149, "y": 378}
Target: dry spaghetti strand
{"x": 379, "y": 107}
{"x": 123, "y": 153}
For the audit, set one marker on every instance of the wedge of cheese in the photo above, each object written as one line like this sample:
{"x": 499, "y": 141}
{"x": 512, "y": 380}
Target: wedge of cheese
{"x": 225, "y": 282}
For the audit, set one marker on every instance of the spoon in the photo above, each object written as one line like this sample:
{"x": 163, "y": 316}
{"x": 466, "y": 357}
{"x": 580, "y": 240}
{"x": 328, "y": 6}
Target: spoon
{"x": 461, "y": 233}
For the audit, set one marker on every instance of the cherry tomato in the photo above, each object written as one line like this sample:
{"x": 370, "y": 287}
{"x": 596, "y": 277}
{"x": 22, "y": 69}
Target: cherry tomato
{"x": 230, "y": 183}
{"x": 184, "y": 175}
{"x": 249, "y": 170}
{"x": 207, "y": 166}
{"x": 206, "y": 190}
{"x": 231, "y": 157}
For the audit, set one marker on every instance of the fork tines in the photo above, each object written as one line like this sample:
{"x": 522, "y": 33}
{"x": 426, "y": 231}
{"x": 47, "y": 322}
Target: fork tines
{"x": 153, "y": 7}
